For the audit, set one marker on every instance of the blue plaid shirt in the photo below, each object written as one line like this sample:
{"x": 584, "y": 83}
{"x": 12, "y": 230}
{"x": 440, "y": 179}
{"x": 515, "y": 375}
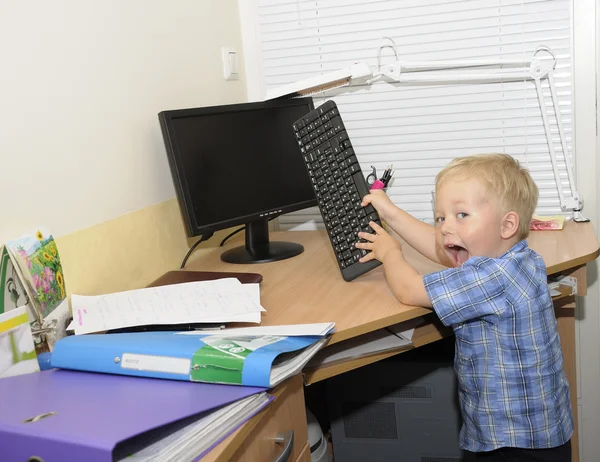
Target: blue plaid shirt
{"x": 512, "y": 387}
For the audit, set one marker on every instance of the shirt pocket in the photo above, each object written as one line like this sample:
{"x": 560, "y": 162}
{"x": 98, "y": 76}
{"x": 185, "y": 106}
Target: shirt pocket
{"x": 470, "y": 359}
{"x": 465, "y": 343}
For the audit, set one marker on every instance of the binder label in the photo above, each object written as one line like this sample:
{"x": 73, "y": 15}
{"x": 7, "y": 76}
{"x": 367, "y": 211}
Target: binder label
{"x": 165, "y": 364}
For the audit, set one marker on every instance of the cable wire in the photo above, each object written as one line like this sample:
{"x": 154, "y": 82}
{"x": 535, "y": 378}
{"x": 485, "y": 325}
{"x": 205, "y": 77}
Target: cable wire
{"x": 233, "y": 233}
{"x": 187, "y": 255}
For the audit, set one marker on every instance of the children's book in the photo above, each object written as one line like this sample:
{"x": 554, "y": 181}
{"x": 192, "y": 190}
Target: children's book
{"x": 236, "y": 359}
{"x": 31, "y": 275}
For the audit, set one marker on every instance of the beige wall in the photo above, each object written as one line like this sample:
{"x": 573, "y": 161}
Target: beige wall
{"x": 124, "y": 253}
{"x": 127, "y": 252}
{"x": 81, "y": 150}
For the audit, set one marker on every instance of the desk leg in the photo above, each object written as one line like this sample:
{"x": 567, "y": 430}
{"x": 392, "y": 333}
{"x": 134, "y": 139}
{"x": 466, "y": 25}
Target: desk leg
{"x": 566, "y": 328}
{"x": 565, "y": 316}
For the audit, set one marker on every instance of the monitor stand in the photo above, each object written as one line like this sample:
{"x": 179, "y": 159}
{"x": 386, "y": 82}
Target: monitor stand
{"x": 258, "y": 249}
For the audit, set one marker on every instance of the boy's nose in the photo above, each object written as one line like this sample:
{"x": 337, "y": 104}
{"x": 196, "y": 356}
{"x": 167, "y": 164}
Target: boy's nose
{"x": 446, "y": 228}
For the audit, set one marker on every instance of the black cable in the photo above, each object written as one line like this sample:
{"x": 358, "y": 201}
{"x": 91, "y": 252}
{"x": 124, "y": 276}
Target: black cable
{"x": 233, "y": 233}
{"x": 187, "y": 255}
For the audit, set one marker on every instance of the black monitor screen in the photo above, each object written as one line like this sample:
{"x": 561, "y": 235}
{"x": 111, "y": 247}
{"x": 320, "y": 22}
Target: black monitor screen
{"x": 238, "y": 163}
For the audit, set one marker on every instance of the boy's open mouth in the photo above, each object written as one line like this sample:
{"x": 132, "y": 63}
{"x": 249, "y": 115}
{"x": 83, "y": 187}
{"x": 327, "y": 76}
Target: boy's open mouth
{"x": 459, "y": 254}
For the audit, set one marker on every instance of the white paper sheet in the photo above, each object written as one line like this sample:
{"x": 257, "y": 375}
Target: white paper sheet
{"x": 221, "y": 300}
{"x": 289, "y": 330}
{"x": 253, "y": 291}
{"x": 358, "y": 347}
{"x": 406, "y": 329}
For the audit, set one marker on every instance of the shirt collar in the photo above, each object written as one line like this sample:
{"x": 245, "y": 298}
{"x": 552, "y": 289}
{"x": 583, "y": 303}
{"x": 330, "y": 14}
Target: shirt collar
{"x": 518, "y": 247}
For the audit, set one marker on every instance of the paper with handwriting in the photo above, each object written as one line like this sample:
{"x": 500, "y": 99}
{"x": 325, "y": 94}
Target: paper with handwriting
{"x": 221, "y": 300}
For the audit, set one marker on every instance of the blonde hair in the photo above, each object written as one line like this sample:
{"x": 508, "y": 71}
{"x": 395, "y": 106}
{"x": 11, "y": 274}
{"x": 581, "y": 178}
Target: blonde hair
{"x": 504, "y": 179}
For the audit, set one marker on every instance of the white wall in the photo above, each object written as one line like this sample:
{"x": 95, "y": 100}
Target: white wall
{"x": 81, "y": 83}
{"x": 585, "y": 65}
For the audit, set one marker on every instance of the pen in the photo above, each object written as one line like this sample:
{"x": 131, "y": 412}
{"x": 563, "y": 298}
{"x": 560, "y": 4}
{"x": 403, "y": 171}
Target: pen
{"x": 381, "y": 183}
{"x": 387, "y": 175}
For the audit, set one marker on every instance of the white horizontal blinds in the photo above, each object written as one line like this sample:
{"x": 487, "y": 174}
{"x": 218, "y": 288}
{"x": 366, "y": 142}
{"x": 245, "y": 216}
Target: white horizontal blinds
{"x": 419, "y": 129}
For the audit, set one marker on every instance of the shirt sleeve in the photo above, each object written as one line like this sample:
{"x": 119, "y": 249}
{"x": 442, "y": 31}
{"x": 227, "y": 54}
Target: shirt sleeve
{"x": 474, "y": 290}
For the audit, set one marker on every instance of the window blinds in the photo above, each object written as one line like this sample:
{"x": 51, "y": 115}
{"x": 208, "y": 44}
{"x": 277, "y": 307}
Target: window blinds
{"x": 419, "y": 129}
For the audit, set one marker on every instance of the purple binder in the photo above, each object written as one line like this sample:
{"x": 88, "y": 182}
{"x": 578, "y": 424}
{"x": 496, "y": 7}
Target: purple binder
{"x": 87, "y": 415}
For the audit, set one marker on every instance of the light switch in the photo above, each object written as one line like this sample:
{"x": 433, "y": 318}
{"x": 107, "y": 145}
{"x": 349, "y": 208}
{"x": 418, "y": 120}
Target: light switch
{"x": 230, "y": 63}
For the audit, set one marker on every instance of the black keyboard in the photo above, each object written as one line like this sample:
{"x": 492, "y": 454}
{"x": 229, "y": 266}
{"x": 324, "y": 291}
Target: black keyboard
{"x": 339, "y": 185}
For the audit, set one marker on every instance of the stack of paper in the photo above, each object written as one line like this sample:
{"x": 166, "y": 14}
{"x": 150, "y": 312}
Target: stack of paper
{"x": 196, "y": 438}
{"x": 221, "y": 300}
{"x": 391, "y": 338}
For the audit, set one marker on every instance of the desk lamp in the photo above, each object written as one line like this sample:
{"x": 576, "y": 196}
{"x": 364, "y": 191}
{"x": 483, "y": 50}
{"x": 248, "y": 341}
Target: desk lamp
{"x": 537, "y": 69}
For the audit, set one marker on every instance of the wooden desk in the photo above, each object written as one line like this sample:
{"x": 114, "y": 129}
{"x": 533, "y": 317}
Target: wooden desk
{"x": 309, "y": 288}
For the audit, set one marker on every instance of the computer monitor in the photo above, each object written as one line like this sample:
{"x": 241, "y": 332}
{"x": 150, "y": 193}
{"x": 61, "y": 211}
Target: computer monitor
{"x": 239, "y": 164}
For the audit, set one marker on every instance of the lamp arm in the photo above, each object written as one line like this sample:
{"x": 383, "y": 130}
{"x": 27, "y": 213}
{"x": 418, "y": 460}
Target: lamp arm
{"x": 574, "y": 203}
{"x": 396, "y": 72}
{"x": 393, "y": 71}
{"x": 417, "y": 66}
{"x": 400, "y": 73}
{"x": 537, "y": 72}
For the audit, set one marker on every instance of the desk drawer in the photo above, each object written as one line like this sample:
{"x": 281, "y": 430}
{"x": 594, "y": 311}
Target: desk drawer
{"x": 285, "y": 413}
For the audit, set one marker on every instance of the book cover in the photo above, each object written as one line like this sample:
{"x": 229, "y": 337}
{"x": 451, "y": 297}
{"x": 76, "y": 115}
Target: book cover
{"x": 34, "y": 261}
{"x": 261, "y": 361}
{"x": 36, "y": 257}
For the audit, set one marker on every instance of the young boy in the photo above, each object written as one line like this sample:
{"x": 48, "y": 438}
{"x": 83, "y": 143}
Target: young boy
{"x": 513, "y": 392}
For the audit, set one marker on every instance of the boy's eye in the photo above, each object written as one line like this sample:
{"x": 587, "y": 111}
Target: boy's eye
{"x": 461, "y": 215}
{"x": 439, "y": 219}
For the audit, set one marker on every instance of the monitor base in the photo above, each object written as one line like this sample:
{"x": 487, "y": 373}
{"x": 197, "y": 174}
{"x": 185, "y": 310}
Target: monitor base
{"x": 272, "y": 251}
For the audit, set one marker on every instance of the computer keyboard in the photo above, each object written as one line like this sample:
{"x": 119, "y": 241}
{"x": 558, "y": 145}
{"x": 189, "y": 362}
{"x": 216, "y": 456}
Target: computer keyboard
{"x": 339, "y": 185}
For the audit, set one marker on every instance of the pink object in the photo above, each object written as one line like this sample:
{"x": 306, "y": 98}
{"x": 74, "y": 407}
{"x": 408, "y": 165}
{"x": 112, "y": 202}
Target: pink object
{"x": 378, "y": 184}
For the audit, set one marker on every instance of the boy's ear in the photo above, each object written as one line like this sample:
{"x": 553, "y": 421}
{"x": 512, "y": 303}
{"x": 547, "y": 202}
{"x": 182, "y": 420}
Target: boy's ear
{"x": 510, "y": 225}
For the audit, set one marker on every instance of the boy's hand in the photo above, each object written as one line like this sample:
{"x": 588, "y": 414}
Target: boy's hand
{"x": 381, "y": 244}
{"x": 380, "y": 200}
